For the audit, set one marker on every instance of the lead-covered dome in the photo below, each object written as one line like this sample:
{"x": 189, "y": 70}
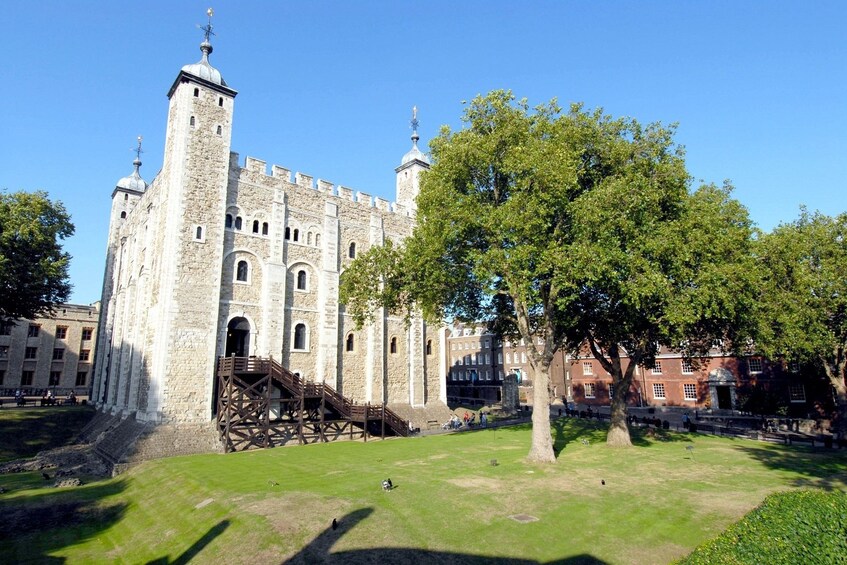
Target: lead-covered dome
{"x": 133, "y": 181}
{"x": 203, "y": 69}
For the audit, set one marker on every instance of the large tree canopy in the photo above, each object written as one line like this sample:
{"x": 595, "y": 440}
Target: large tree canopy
{"x": 563, "y": 229}
{"x": 804, "y": 297}
{"x": 33, "y": 267}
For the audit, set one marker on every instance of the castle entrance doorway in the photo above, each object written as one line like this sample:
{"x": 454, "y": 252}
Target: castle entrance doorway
{"x": 238, "y": 338}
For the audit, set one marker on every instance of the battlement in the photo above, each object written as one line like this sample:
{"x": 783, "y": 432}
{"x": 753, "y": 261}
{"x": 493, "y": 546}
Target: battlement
{"x": 323, "y": 186}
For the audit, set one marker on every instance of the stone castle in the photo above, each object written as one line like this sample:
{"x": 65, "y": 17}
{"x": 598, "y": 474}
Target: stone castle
{"x": 216, "y": 259}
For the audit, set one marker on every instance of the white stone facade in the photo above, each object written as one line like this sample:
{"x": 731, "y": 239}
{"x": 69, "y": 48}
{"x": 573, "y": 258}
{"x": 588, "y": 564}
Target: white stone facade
{"x": 215, "y": 258}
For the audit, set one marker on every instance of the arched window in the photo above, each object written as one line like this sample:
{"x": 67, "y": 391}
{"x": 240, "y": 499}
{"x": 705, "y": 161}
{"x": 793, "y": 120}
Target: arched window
{"x": 300, "y": 337}
{"x": 123, "y": 215}
{"x": 301, "y": 280}
{"x": 351, "y": 343}
{"x": 264, "y": 228}
{"x": 317, "y": 239}
{"x": 287, "y": 233}
{"x": 255, "y": 226}
{"x": 126, "y": 197}
{"x": 199, "y": 233}
{"x": 429, "y": 347}
{"x": 393, "y": 345}
{"x": 296, "y": 234}
{"x": 228, "y": 221}
{"x": 351, "y": 252}
{"x": 238, "y": 222}
{"x": 220, "y": 101}
{"x": 241, "y": 271}
{"x": 191, "y": 121}
{"x": 219, "y": 130}
{"x": 309, "y": 238}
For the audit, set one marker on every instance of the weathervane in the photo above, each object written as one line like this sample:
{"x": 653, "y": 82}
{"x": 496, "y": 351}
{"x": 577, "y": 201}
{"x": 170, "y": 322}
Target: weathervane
{"x": 208, "y": 27}
{"x": 138, "y": 150}
{"x": 414, "y": 122}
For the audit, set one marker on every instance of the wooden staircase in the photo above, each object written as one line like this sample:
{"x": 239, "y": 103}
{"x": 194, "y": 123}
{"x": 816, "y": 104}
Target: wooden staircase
{"x": 260, "y": 403}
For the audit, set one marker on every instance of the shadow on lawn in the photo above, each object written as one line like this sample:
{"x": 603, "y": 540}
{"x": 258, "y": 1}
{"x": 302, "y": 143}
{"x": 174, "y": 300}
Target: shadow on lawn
{"x": 318, "y": 551}
{"x": 37, "y": 525}
{"x": 198, "y": 546}
{"x": 819, "y": 469}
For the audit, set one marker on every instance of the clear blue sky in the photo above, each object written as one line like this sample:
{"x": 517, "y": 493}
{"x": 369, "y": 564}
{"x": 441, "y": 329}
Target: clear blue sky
{"x": 759, "y": 89}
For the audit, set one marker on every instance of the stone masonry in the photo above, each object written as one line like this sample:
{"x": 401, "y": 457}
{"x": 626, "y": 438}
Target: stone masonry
{"x": 217, "y": 258}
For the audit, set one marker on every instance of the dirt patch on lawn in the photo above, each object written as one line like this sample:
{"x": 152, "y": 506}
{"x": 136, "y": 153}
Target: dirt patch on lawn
{"x": 299, "y": 513}
{"x": 481, "y": 484}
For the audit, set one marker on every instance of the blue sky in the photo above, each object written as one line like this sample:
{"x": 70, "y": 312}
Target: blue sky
{"x": 759, "y": 89}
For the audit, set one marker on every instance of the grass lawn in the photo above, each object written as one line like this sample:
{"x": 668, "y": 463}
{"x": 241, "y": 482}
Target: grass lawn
{"x": 450, "y": 504}
{"x": 26, "y": 431}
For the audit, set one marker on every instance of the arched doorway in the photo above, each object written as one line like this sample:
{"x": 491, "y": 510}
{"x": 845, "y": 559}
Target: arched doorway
{"x": 238, "y": 338}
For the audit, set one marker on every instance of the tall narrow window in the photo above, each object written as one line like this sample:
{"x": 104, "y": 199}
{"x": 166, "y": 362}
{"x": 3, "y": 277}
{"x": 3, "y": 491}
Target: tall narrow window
{"x": 317, "y": 239}
{"x": 393, "y": 345}
{"x": 351, "y": 343}
{"x": 429, "y": 347}
{"x": 220, "y": 101}
{"x": 219, "y": 130}
{"x": 287, "y": 233}
{"x": 300, "y": 337}
{"x": 198, "y": 234}
{"x": 301, "y": 280}
{"x": 241, "y": 271}
{"x": 196, "y": 93}
{"x": 238, "y": 222}
{"x": 228, "y": 221}
{"x": 351, "y": 251}
{"x": 264, "y": 228}
{"x": 309, "y": 238}
{"x": 296, "y": 234}
{"x": 255, "y": 226}
{"x": 191, "y": 121}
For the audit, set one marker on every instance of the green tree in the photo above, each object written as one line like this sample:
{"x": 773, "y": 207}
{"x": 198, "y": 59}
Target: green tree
{"x": 804, "y": 298}
{"x": 652, "y": 265}
{"x": 558, "y": 229}
{"x": 33, "y": 267}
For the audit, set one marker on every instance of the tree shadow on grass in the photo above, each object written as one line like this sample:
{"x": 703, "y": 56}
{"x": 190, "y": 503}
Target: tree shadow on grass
{"x": 195, "y": 549}
{"x": 818, "y": 469}
{"x": 318, "y": 551}
{"x": 36, "y": 525}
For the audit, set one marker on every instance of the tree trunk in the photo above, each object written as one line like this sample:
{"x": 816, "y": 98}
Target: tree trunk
{"x": 618, "y": 435}
{"x": 838, "y": 379}
{"x": 541, "y": 450}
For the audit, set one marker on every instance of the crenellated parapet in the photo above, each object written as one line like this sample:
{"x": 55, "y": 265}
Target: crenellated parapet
{"x": 321, "y": 186}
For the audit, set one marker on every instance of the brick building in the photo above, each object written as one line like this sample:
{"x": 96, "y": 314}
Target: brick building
{"x": 50, "y": 353}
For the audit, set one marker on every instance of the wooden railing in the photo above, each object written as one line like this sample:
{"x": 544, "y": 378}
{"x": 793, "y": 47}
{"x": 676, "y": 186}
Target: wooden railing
{"x": 298, "y": 386}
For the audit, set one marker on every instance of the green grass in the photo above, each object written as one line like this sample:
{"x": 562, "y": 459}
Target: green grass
{"x": 660, "y": 501}
{"x": 26, "y": 431}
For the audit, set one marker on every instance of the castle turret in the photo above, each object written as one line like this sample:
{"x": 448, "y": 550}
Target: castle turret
{"x": 190, "y": 234}
{"x": 125, "y": 196}
{"x": 408, "y": 173}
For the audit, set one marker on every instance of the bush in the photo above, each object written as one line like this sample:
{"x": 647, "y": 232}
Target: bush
{"x": 808, "y": 527}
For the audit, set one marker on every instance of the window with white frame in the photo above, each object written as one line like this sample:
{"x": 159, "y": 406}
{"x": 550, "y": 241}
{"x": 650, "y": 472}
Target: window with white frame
{"x": 508, "y": 357}
{"x": 797, "y": 393}
{"x": 755, "y": 365}
{"x": 687, "y": 367}
{"x": 657, "y": 368}
{"x": 689, "y": 391}
{"x": 589, "y": 390}
{"x": 523, "y": 357}
{"x": 659, "y": 391}
{"x": 587, "y": 368}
